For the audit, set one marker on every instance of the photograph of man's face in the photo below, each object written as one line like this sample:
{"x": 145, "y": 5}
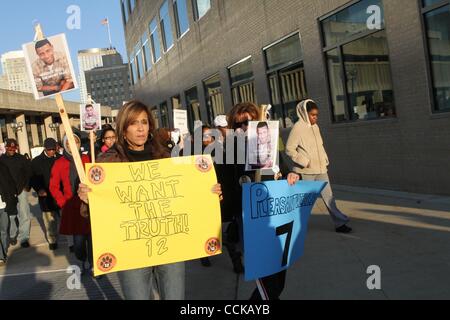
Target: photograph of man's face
{"x": 263, "y": 133}
{"x": 262, "y": 150}
{"x": 46, "y": 53}
{"x": 90, "y": 110}
{"x": 49, "y": 66}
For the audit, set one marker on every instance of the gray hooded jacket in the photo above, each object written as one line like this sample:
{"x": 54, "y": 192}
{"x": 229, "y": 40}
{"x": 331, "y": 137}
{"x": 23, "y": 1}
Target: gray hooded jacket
{"x": 305, "y": 145}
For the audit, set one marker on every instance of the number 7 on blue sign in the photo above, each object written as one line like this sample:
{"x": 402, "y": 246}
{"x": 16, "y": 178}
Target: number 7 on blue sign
{"x": 285, "y": 229}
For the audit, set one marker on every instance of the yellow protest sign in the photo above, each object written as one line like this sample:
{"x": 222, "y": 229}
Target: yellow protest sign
{"x": 153, "y": 213}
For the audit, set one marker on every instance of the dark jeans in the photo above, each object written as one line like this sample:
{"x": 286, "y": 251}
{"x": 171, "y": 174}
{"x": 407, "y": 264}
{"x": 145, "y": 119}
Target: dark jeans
{"x": 82, "y": 247}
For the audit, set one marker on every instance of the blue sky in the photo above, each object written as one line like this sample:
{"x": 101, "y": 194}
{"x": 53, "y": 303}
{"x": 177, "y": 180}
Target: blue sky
{"x": 16, "y": 25}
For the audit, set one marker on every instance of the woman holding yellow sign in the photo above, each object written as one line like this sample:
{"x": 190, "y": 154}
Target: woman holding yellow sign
{"x": 135, "y": 142}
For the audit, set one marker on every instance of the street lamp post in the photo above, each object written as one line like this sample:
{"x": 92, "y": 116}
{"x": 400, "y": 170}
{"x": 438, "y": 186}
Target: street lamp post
{"x": 17, "y": 126}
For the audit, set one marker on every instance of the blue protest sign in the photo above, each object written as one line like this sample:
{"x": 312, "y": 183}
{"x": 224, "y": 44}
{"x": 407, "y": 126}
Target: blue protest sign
{"x": 275, "y": 223}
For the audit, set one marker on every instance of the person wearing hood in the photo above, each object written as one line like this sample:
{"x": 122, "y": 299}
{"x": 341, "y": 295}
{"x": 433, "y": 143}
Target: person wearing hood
{"x": 64, "y": 183}
{"x": 305, "y": 147}
{"x": 40, "y": 182}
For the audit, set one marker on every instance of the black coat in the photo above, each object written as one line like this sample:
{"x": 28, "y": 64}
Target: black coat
{"x": 20, "y": 169}
{"x": 8, "y": 194}
{"x": 40, "y": 180}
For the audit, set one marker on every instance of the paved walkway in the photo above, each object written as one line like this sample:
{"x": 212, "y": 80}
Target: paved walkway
{"x": 406, "y": 235}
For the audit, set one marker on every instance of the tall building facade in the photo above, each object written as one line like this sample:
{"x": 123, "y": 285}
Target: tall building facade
{"x": 378, "y": 69}
{"x": 109, "y": 84}
{"x": 15, "y": 76}
{"x": 88, "y": 60}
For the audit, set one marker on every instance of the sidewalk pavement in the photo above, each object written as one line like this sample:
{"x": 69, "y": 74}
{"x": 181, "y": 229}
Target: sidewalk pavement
{"x": 406, "y": 235}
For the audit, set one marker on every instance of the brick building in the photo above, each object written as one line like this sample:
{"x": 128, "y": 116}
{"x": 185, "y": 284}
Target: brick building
{"x": 379, "y": 70}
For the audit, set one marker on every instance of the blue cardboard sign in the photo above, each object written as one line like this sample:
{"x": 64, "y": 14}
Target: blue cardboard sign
{"x": 275, "y": 220}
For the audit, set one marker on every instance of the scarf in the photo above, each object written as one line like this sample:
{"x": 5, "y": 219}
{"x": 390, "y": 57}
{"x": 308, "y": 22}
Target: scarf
{"x": 139, "y": 156}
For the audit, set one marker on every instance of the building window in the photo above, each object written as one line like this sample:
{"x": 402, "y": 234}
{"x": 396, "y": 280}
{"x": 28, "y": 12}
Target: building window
{"x": 242, "y": 86}
{"x": 437, "y": 24}
{"x": 146, "y": 53}
{"x": 155, "y": 114}
{"x": 166, "y": 28}
{"x": 133, "y": 69}
{"x": 139, "y": 63}
{"x": 154, "y": 39}
{"x": 132, "y": 5}
{"x": 176, "y": 103}
{"x": 214, "y": 97}
{"x": 359, "y": 73}
{"x": 286, "y": 78}
{"x": 193, "y": 107}
{"x": 201, "y": 7}
{"x": 125, "y": 12}
{"x": 181, "y": 17}
{"x": 164, "y": 115}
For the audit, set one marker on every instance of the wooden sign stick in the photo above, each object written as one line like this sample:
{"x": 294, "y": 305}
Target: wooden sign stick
{"x": 66, "y": 123}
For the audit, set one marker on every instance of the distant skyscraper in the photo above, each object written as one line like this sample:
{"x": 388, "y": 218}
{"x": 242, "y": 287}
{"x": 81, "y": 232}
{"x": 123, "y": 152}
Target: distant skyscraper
{"x": 88, "y": 60}
{"x": 109, "y": 84}
{"x": 15, "y": 75}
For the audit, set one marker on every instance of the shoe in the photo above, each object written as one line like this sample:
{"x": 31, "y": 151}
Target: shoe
{"x": 238, "y": 268}
{"x": 53, "y": 246}
{"x": 2, "y": 263}
{"x": 205, "y": 262}
{"x": 25, "y": 244}
{"x": 344, "y": 229}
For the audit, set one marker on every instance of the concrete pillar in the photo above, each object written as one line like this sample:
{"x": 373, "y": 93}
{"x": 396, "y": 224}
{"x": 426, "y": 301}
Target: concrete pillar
{"x": 10, "y": 131}
{"x": 49, "y": 133}
{"x": 34, "y": 133}
{"x": 62, "y": 132}
{"x": 22, "y": 137}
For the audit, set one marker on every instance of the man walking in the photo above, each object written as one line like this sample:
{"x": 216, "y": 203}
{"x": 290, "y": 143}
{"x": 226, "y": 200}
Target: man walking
{"x": 20, "y": 170}
{"x": 40, "y": 182}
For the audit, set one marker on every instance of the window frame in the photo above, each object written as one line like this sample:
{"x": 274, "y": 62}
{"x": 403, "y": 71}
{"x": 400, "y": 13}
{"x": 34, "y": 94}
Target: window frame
{"x": 237, "y": 84}
{"x": 209, "y": 108}
{"x": 176, "y": 16}
{"x": 155, "y": 61}
{"x": 163, "y": 29}
{"x": 195, "y": 10}
{"x": 339, "y": 47}
{"x": 423, "y": 11}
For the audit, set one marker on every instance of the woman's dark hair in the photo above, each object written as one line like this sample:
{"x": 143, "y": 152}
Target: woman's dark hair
{"x": 240, "y": 109}
{"x": 310, "y": 106}
{"x": 105, "y": 130}
{"x": 127, "y": 114}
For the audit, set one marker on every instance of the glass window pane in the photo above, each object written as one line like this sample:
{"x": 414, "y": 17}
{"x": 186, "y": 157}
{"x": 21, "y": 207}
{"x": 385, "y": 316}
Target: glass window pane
{"x": 202, "y": 7}
{"x": 193, "y": 107}
{"x": 336, "y": 86}
{"x": 244, "y": 93}
{"x": 176, "y": 103}
{"x": 164, "y": 115}
{"x": 214, "y": 97}
{"x": 350, "y": 21}
{"x": 154, "y": 38}
{"x": 146, "y": 53}
{"x": 155, "y": 115}
{"x": 293, "y": 90}
{"x": 166, "y": 26}
{"x": 285, "y": 52}
{"x": 438, "y": 33}
{"x": 181, "y": 16}
{"x": 430, "y": 2}
{"x": 242, "y": 71}
{"x": 140, "y": 66}
{"x": 368, "y": 76}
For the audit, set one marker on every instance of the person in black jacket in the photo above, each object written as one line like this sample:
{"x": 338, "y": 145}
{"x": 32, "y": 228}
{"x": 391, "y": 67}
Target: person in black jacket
{"x": 270, "y": 287}
{"x": 8, "y": 206}
{"x": 20, "y": 170}
{"x": 40, "y": 182}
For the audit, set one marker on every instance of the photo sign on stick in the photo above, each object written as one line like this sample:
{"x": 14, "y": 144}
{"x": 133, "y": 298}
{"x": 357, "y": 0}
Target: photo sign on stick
{"x": 153, "y": 213}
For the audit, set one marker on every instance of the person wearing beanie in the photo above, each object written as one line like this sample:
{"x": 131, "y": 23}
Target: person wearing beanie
{"x": 40, "y": 181}
{"x": 20, "y": 170}
{"x": 305, "y": 147}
